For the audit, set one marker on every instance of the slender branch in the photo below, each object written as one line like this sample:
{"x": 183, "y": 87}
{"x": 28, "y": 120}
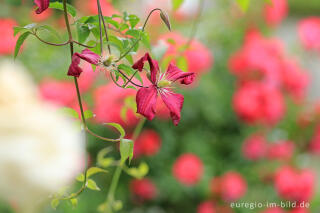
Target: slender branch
{"x": 114, "y": 80}
{"x": 49, "y": 43}
{"x": 100, "y": 28}
{"x": 61, "y": 44}
{"x": 104, "y": 25}
{"x": 130, "y": 80}
{"x": 140, "y": 37}
{"x": 84, "y": 45}
{"x": 100, "y": 137}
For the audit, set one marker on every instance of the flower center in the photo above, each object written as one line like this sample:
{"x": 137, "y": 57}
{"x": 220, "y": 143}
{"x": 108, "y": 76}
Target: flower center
{"x": 164, "y": 83}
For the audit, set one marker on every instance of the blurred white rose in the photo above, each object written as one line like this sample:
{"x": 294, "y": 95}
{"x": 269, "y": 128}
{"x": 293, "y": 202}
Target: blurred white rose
{"x": 40, "y": 150}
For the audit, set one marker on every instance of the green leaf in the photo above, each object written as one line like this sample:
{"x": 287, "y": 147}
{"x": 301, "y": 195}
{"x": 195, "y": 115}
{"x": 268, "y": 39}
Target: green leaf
{"x": 126, "y": 150}
{"x": 176, "y": 4}
{"x": 113, "y": 40}
{"x": 118, "y": 127}
{"x": 112, "y": 22}
{"x": 243, "y": 4}
{"x": 74, "y": 202}
{"x": 80, "y": 178}
{"x": 129, "y": 58}
{"x": 134, "y": 33}
{"x": 91, "y": 184}
{"x": 94, "y": 170}
{"x": 124, "y": 27}
{"x": 17, "y": 30}
{"x": 88, "y": 114}
{"x": 83, "y": 33}
{"x": 146, "y": 40}
{"x": 133, "y": 20}
{"x": 59, "y": 6}
{"x": 140, "y": 171}
{"x": 19, "y": 43}
{"x": 182, "y": 63}
{"x": 50, "y": 30}
{"x": 131, "y": 87}
{"x": 102, "y": 160}
{"x": 102, "y": 207}
{"x": 30, "y": 26}
{"x": 55, "y": 203}
{"x": 117, "y": 205}
{"x": 129, "y": 70}
{"x": 69, "y": 112}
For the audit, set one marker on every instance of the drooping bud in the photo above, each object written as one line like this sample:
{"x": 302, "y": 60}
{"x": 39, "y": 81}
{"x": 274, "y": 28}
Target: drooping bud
{"x": 164, "y": 83}
{"x": 165, "y": 19}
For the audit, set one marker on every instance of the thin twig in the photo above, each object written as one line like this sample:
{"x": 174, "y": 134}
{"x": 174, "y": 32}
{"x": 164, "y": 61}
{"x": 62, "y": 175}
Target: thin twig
{"x": 49, "y": 43}
{"x": 104, "y": 25}
{"x": 140, "y": 37}
{"x": 124, "y": 75}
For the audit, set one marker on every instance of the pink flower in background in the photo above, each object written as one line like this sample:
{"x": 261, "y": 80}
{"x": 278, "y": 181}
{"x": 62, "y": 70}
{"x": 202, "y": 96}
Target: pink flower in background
{"x": 198, "y": 57}
{"x": 254, "y": 147}
{"x": 309, "y": 33}
{"x": 206, "y": 207}
{"x": 294, "y": 185}
{"x": 144, "y": 189}
{"x": 148, "y": 143}
{"x": 7, "y": 41}
{"x": 294, "y": 79}
{"x": 108, "y": 102}
{"x": 188, "y": 169}
{"x": 258, "y": 103}
{"x": 232, "y": 186}
{"x": 61, "y": 93}
{"x": 299, "y": 210}
{"x": 273, "y": 210}
{"x": 258, "y": 59}
{"x": 275, "y": 12}
{"x": 315, "y": 142}
{"x": 42, "y": 5}
{"x": 161, "y": 85}
{"x": 87, "y": 55}
{"x": 282, "y": 150}
{"x": 106, "y": 7}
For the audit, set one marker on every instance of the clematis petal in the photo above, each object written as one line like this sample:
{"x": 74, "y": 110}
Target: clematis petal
{"x": 174, "y": 102}
{"x": 154, "y": 66}
{"x": 42, "y": 5}
{"x": 174, "y": 73}
{"x": 89, "y": 56}
{"x": 146, "y": 101}
{"x": 74, "y": 69}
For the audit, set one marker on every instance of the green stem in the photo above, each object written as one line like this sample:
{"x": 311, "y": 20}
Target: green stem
{"x": 104, "y": 25}
{"x": 117, "y": 174}
{"x": 140, "y": 37}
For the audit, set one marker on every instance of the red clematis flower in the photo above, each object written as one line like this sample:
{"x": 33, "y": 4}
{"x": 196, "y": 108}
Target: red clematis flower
{"x": 87, "y": 55}
{"x": 161, "y": 84}
{"x": 42, "y": 5}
